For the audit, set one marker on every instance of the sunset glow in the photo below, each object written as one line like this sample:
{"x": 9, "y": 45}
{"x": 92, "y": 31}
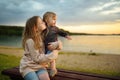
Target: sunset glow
{"x": 101, "y": 28}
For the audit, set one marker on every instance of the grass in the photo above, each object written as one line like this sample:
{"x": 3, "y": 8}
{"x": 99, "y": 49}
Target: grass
{"x": 7, "y": 61}
{"x": 75, "y": 61}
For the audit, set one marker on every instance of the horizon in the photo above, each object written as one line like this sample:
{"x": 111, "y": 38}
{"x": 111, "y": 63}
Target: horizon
{"x": 64, "y": 29}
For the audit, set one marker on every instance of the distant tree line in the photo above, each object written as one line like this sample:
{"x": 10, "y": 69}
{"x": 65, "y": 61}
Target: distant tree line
{"x": 11, "y": 30}
{"x": 17, "y": 30}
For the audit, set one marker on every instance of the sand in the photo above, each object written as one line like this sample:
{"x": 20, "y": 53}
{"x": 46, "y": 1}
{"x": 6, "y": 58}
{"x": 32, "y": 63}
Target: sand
{"x": 102, "y": 62}
{"x": 11, "y": 51}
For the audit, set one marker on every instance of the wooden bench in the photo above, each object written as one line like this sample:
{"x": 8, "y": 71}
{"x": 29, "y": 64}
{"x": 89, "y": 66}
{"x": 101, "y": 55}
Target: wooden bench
{"x": 14, "y": 74}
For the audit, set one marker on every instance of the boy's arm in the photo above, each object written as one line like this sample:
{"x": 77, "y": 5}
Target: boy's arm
{"x": 63, "y": 33}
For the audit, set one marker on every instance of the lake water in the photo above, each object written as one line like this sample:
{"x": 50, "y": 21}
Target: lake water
{"x": 98, "y": 44}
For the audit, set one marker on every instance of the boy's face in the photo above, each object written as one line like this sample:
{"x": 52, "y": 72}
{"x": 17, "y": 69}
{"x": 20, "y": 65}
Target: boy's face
{"x": 52, "y": 21}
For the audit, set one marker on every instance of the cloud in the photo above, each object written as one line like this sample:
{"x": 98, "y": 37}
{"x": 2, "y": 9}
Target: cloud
{"x": 33, "y": 6}
{"x": 108, "y": 8}
{"x": 112, "y": 11}
{"x": 61, "y": 1}
{"x": 13, "y": 11}
{"x": 69, "y": 12}
{"x": 102, "y": 6}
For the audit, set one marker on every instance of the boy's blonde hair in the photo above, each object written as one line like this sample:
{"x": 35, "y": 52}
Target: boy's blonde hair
{"x": 30, "y": 33}
{"x": 47, "y": 16}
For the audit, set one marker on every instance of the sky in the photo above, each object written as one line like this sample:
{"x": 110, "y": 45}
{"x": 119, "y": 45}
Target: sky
{"x": 83, "y": 16}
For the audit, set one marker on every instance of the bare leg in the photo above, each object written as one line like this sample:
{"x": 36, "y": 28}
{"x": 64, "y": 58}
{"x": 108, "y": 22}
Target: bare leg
{"x": 53, "y": 70}
{"x": 52, "y": 65}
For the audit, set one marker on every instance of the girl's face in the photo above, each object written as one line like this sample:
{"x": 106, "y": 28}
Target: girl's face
{"x": 52, "y": 21}
{"x": 41, "y": 25}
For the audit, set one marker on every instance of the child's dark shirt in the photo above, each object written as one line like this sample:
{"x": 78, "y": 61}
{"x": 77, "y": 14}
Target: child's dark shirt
{"x": 52, "y": 35}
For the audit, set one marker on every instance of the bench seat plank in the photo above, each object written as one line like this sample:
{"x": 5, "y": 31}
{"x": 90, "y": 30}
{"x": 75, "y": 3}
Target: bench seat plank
{"x": 14, "y": 74}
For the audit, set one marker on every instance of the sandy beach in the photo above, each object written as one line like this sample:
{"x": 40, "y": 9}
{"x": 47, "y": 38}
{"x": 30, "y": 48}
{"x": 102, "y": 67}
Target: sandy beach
{"x": 105, "y": 63}
{"x": 91, "y": 63}
{"x": 11, "y": 51}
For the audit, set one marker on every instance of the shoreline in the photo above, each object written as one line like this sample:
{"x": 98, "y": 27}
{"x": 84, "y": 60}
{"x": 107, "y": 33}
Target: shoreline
{"x": 3, "y": 49}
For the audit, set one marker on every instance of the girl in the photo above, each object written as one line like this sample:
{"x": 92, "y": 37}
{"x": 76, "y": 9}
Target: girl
{"x": 32, "y": 64}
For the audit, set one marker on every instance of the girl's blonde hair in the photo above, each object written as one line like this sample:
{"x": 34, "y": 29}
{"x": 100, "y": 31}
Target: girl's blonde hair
{"x": 29, "y": 32}
{"x": 47, "y": 16}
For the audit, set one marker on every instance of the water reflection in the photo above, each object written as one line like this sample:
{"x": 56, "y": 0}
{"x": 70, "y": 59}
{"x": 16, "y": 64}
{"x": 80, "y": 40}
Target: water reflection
{"x": 99, "y": 44}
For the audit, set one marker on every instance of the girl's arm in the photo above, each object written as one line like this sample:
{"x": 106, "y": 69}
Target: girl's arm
{"x": 40, "y": 57}
{"x": 55, "y": 45}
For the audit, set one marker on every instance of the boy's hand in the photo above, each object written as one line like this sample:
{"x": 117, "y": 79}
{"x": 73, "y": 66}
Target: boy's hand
{"x": 68, "y": 37}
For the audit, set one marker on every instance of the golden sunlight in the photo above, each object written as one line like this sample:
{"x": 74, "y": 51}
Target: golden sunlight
{"x": 98, "y": 28}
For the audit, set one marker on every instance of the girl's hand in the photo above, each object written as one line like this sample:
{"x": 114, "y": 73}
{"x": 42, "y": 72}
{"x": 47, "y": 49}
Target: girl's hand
{"x": 59, "y": 45}
{"x": 51, "y": 46}
{"x": 45, "y": 65}
{"x": 55, "y": 45}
